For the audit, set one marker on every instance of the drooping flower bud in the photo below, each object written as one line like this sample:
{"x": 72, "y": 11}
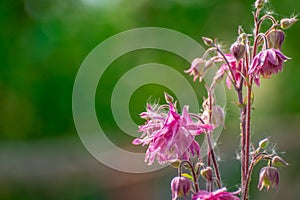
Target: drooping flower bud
{"x": 207, "y": 174}
{"x": 268, "y": 177}
{"x": 237, "y": 49}
{"x": 263, "y": 143}
{"x": 207, "y": 41}
{"x": 278, "y": 161}
{"x": 275, "y": 38}
{"x": 259, "y": 4}
{"x": 288, "y": 22}
{"x": 168, "y": 98}
{"x": 180, "y": 187}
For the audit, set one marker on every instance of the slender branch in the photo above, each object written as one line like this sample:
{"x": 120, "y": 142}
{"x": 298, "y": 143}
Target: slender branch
{"x": 242, "y": 128}
{"x": 256, "y": 43}
{"x": 213, "y": 157}
{"x": 211, "y": 152}
{"x": 206, "y": 53}
{"x": 247, "y": 131}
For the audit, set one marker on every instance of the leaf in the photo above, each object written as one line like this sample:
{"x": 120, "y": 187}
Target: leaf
{"x": 187, "y": 176}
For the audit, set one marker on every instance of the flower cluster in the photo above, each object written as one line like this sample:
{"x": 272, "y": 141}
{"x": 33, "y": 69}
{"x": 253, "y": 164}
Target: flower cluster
{"x": 171, "y": 136}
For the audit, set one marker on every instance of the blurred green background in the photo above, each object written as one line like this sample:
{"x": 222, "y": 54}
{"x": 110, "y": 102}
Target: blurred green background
{"x": 43, "y": 43}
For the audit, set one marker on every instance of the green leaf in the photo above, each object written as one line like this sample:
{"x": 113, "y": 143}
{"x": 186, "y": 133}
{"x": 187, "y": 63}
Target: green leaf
{"x": 187, "y": 176}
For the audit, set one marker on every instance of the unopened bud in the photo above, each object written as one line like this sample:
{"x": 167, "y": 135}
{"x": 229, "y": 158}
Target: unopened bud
{"x": 275, "y": 38}
{"x": 259, "y": 4}
{"x": 180, "y": 187}
{"x": 237, "y": 49}
{"x": 263, "y": 143}
{"x": 207, "y": 41}
{"x": 168, "y": 98}
{"x": 287, "y": 22}
{"x": 268, "y": 177}
{"x": 240, "y": 30}
{"x": 278, "y": 161}
{"x": 207, "y": 174}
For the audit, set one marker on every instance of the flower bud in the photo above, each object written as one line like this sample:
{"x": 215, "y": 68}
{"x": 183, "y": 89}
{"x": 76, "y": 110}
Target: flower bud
{"x": 275, "y": 38}
{"x": 237, "y": 50}
{"x": 268, "y": 177}
{"x": 168, "y": 98}
{"x": 287, "y": 22}
{"x": 180, "y": 187}
{"x": 207, "y": 41}
{"x": 207, "y": 174}
{"x": 278, "y": 161}
{"x": 263, "y": 143}
{"x": 259, "y": 4}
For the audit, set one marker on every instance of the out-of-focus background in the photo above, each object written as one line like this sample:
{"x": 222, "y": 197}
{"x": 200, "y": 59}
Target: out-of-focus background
{"x": 43, "y": 43}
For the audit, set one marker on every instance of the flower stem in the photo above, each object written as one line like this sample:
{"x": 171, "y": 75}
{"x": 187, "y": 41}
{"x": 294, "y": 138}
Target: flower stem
{"x": 255, "y": 159}
{"x": 247, "y": 132}
{"x": 232, "y": 78}
{"x": 215, "y": 164}
{"x": 211, "y": 152}
{"x": 193, "y": 173}
{"x": 242, "y": 129}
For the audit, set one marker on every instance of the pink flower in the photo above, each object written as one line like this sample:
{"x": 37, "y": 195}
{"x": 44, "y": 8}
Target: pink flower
{"x": 236, "y": 69}
{"x": 220, "y": 194}
{"x": 180, "y": 187}
{"x": 170, "y": 137}
{"x": 266, "y": 63}
{"x": 196, "y": 69}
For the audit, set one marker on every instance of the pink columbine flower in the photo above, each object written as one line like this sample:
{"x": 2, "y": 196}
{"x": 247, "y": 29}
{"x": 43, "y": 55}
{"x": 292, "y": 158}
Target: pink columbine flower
{"x": 220, "y": 194}
{"x": 266, "y": 63}
{"x": 170, "y": 136}
{"x": 236, "y": 69}
{"x": 196, "y": 69}
{"x": 268, "y": 177}
{"x": 180, "y": 187}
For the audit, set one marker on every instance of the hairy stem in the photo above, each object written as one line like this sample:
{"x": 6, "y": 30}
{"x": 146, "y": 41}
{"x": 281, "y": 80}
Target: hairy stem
{"x": 215, "y": 164}
{"x": 247, "y": 131}
{"x": 211, "y": 152}
{"x": 232, "y": 78}
{"x": 242, "y": 130}
{"x": 193, "y": 173}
